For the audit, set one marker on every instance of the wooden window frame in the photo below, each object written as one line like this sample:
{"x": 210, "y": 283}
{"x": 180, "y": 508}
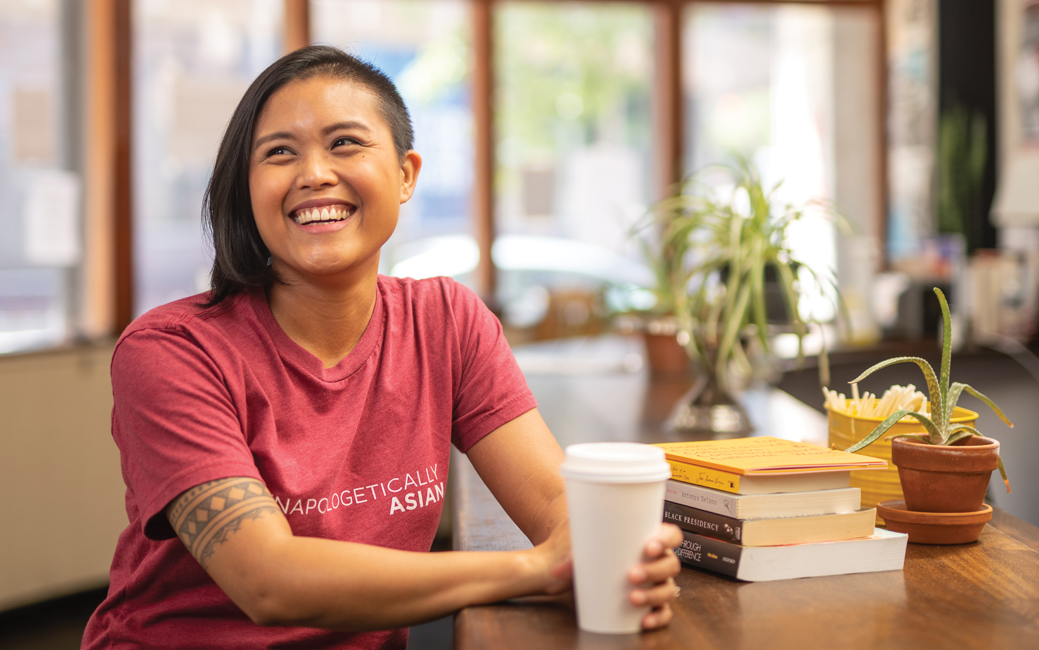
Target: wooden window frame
{"x": 115, "y": 73}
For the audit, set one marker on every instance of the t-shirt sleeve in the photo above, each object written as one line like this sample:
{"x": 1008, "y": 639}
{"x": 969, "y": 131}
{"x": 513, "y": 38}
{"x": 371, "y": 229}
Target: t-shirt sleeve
{"x": 491, "y": 389}
{"x": 174, "y": 421}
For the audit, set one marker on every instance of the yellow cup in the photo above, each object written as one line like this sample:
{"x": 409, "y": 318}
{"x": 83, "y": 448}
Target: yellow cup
{"x": 879, "y": 484}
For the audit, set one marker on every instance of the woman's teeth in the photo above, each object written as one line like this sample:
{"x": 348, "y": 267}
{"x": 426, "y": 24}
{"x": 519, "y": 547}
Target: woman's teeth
{"x": 316, "y": 215}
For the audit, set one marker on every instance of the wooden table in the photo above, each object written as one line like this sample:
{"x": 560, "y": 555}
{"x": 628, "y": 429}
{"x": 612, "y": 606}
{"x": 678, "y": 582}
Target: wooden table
{"x": 981, "y": 595}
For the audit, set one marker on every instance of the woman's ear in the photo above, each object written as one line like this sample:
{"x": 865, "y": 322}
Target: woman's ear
{"x": 409, "y": 170}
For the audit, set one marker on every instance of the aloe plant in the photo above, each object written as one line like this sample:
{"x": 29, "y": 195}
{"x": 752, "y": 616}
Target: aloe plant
{"x": 943, "y": 397}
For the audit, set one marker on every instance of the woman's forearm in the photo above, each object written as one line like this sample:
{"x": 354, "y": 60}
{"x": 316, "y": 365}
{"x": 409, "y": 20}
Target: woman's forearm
{"x": 277, "y": 578}
{"x": 340, "y": 585}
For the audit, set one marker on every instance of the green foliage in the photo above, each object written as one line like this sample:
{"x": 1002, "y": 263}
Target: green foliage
{"x": 942, "y": 396}
{"x": 710, "y": 257}
{"x": 590, "y": 55}
{"x": 962, "y": 148}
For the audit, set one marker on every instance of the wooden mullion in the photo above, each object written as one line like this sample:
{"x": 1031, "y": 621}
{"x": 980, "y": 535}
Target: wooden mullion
{"x": 881, "y": 109}
{"x": 483, "y": 159}
{"x": 297, "y": 25}
{"x": 98, "y": 272}
{"x": 668, "y": 124}
{"x": 122, "y": 180}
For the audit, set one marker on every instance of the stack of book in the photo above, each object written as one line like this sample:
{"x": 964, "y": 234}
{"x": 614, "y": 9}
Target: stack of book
{"x": 766, "y": 508}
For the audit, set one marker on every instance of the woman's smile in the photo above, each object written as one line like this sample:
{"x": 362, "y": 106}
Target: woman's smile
{"x": 319, "y": 216}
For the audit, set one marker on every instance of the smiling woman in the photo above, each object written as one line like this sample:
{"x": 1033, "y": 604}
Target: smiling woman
{"x": 327, "y": 183}
{"x": 268, "y": 424}
{"x": 307, "y": 160}
{"x": 344, "y": 105}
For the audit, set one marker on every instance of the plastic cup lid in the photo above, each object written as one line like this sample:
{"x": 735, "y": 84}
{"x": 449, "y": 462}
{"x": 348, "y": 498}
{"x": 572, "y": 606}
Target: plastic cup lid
{"x": 615, "y": 462}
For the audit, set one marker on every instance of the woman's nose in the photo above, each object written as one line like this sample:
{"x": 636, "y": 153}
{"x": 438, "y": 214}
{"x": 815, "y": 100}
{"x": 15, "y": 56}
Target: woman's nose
{"x": 316, "y": 171}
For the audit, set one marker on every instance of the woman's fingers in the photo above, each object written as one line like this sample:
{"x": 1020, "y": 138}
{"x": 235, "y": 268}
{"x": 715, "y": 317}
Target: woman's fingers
{"x": 657, "y": 617}
{"x": 656, "y": 595}
{"x": 665, "y": 566}
{"x": 655, "y": 577}
{"x": 659, "y": 561}
{"x": 669, "y": 536}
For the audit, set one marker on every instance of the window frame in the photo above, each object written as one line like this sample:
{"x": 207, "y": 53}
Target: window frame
{"x": 110, "y": 140}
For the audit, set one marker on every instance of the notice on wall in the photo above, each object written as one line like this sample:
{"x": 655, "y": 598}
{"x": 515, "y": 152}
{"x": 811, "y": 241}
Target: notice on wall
{"x": 51, "y": 219}
{"x": 34, "y": 132}
{"x": 201, "y": 111}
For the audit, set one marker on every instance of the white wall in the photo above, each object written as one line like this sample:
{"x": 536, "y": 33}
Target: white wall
{"x": 61, "y": 491}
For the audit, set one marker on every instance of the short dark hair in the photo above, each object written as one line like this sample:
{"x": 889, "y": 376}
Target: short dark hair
{"x": 240, "y": 256}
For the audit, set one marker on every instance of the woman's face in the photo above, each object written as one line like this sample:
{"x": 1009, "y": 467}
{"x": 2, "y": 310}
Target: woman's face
{"x": 325, "y": 181}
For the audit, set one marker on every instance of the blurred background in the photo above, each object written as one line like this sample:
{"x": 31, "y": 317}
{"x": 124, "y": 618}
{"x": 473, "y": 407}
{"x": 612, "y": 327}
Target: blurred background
{"x": 547, "y": 129}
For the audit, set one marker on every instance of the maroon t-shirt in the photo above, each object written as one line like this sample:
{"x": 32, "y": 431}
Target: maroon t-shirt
{"x": 358, "y": 452}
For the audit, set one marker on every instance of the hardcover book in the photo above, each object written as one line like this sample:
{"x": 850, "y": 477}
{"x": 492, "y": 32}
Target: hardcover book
{"x": 763, "y": 465}
{"x": 772, "y": 531}
{"x": 884, "y": 550}
{"x": 755, "y": 506}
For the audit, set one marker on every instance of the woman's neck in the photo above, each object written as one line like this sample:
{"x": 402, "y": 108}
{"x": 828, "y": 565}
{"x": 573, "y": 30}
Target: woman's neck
{"x": 327, "y": 320}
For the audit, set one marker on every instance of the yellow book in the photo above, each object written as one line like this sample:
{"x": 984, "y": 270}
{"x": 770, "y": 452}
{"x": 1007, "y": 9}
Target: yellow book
{"x": 705, "y": 476}
{"x": 763, "y": 465}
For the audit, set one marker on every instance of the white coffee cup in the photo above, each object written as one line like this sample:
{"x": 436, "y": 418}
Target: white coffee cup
{"x": 615, "y": 496}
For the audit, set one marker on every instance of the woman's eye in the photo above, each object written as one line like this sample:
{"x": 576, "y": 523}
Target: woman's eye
{"x": 277, "y": 151}
{"x": 343, "y": 141}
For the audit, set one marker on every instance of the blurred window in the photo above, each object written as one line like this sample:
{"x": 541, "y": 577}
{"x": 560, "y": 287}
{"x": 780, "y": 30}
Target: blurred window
{"x": 424, "y": 46}
{"x": 572, "y": 127}
{"x": 193, "y": 60}
{"x": 573, "y": 140}
{"x": 40, "y": 215}
{"x": 763, "y": 82}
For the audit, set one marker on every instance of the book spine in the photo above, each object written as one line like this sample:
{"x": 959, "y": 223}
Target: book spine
{"x": 702, "y": 498}
{"x": 705, "y": 523}
{"x": 711, "y": 554}
{"x": 705, "y": 476}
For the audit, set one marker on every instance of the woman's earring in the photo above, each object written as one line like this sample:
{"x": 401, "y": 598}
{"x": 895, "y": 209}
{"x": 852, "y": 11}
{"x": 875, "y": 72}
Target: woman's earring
{"x": 268, "y": 261}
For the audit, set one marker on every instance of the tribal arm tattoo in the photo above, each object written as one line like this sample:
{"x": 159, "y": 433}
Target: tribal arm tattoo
{"x": 207, "y": 514}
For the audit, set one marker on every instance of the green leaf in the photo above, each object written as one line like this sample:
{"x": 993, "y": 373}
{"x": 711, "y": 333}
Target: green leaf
{"x": 959, "y": 428}
{"x": 733, "y": 327}
{"x": 936, "y": 398}
{"x": 959, "y": 435}
{"x": 932, "y": 428}
{"x": 713, "y": 319}
{"x": 824, "y": 361}
{"x": 741, "y": 358}
{"x": 889, "y": 422}
{"x": 966, "y": 428}
{"x": 1003, "y": 472}
{"x": 991, "y": 405}
{"x": 955, "y": 390}
{"x": 757, "y": 278}
{"x": 736, "y": 252}
{"x": 946, "y": 348}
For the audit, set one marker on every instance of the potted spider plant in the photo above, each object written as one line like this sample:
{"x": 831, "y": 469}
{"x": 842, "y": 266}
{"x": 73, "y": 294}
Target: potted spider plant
{"x": 947, "y": 469}
{"x": 720, "y": 260}
{"x": 658, "y": 324}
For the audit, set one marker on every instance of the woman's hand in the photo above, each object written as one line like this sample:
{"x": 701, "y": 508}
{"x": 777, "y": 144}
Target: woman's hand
{"x": 655, "y": 577}
{"x": 558, "y": 563}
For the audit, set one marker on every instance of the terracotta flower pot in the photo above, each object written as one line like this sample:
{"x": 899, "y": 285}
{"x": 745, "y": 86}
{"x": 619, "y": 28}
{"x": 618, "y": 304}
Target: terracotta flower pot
{"x": 935, "y": 527}
{"x": 665, "y": 355}
{"x": 945, "y": 479}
